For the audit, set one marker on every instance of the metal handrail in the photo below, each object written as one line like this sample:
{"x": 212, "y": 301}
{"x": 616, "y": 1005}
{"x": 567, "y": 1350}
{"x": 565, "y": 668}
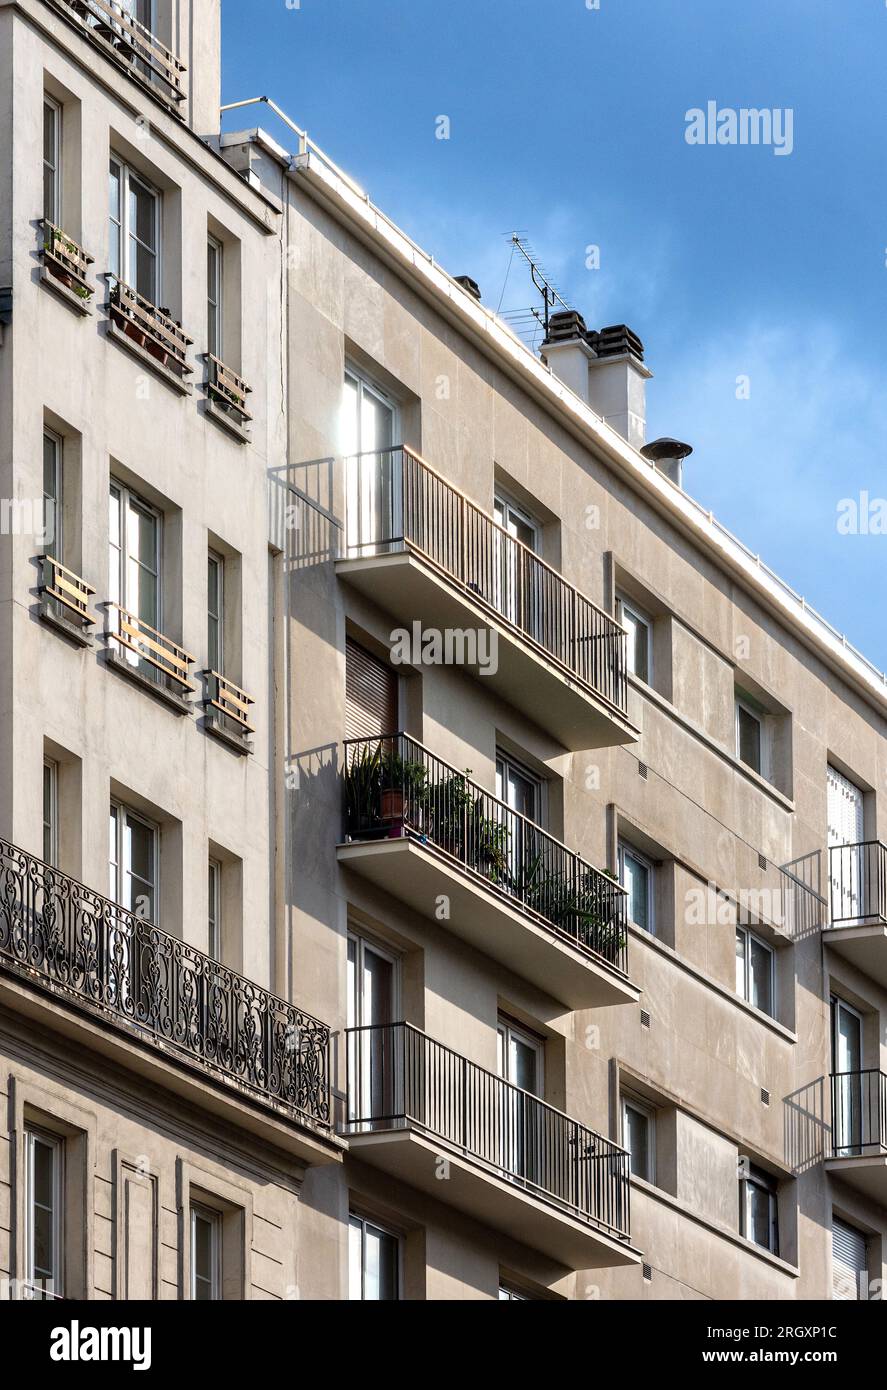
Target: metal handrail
{"x": 413, "y": 507}
{"x": 398, "y": 1076}
{"x": 859, "y": 1112}
{"x": 858, "y": 883}
{"x": 62, "y": 936}
{"x": 441, "y": 806}
{"x": 126, "y": 36}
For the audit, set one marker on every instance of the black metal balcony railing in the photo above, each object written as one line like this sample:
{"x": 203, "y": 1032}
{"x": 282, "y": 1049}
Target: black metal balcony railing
{"x": 115, "y": 28}
{"x": 859, "y": 1113}
{"x": 395, "y": 502}
{"x": 395, "y": 786}
{"x": 61, "y": 936}
{"x": 858, "y": 880}
{"x": 398, "y": 1077}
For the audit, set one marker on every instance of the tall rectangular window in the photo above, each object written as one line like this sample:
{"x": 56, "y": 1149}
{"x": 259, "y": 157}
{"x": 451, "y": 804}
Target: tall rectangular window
{"x": 640, "y": 640}
{"x": 44, "y": 1154}
{"x": 638, "y": 1136}
{"x": 214, "y": 297}
{"x": 52, "y": 143}
{"x": 52, "y": 493}
{"x": 754, "y": 970}
{"x": 214, "y": 932}
{"x": 206, "y": 1254}
{"x": 134, "y": 218}
{"x": 133, "y": 862}
{"x": 751, "y": 742}
{"x": 636, "y": 877}
{"x": 373, "y": 1262}
{"x": 758, "y": 1207}
{"x": 50, "y": 812}
{"x": 215, "y": 615}
{"x": 134, "y": 530}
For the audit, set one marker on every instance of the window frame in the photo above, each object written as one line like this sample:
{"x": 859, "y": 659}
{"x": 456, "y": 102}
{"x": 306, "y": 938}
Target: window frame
{"x": 215, "y": 298}
{"x": 50, "y": 104}
{"x": 502, "y": 500}
{"x": 625, "y": 847}
{"x": 214, "y": 913}
{"x": 124, "y": 233}
{"x": 52, "y": 437}
{"x": 213, "y": 1217}
{"x": 34, "y": 1134}
{"x": 123, "y": 814}
{"x": 356, "y": 1218}
{"x": 743, "y": 705}
{"x": 648, "y": 1114}
{"x": 627, "y": 606}
{"x": 754, "y": 1178}
{"x": 213, "y": 558}
{"x": 127, "y": 497}
{"x": 507, "y": 1028}
{"x": 51, "y": 825}
{"x": 508, "y": 763}
{"x": 750, "y": 937}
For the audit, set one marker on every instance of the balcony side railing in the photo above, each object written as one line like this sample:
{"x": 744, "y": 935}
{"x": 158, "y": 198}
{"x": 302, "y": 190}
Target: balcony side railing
{"x": 400, "y": 1077}
{"x": 165, "y": 659}
{"x": 859, "y": 1113}
{"x": 61, "y": 586}
{"x": 226, "y": 700}
{"x": 858, "y": 883}
{"x": 227, "y": 389}
{"x": 129, "y": 41}
{"x": 150, "y": 327}
{"x": 63, "y": 937}
{"x": 66, "y": 260}
{"x": 394, "y": 786}
{"x": 395, "y": 501}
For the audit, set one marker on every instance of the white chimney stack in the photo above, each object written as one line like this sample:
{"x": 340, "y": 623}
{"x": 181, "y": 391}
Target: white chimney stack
{"x": 605, "y": 369}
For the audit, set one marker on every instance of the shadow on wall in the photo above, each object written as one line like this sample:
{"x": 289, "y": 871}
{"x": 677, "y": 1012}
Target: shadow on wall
{"x": 807, "y": 1134}
{"x": 301, "y": 519}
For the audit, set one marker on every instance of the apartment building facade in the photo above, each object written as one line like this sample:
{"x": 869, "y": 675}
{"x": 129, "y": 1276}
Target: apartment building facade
{"x": 492, "y": 902}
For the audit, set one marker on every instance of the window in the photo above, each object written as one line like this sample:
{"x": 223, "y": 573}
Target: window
{"x": 519, "y": 1057}
{"x": 52, "y": 141}
{"x": 133, "y": 862}
{"x": 751, "y": 741}
{"x": 373, "y": 1262}
{"x": 372, "y": 485}
{"x": 214, "y": 297}
{"x": 755, "y": 963}
{"x": 44, "y": 1154}
{"x": 134, "y": 565}
{"x": 215, "y": 613}
{"x": 50, "y": 812}
{"x": 855, "y": 1107}
{"x": 519, "y": 591}
{"x": 636, "y": 877}
{"x": 850, "y": 1275}
{"x": 758, "y": 1217}
{"x": 371, "y": 704}
{"x": 214, "y": 934}
{"x": 517, "y": 522}
{"x": 639, "y": 645}
{"x": 517, "y": 787}
{"x": 638, "y": 1136}
{"x": 508, "y": 1294}
{"x": 206, "y": 1253}
{"x": 373, "y": 1006}
{"x": 52, "y": 494}
{"x": 134, "y": 212}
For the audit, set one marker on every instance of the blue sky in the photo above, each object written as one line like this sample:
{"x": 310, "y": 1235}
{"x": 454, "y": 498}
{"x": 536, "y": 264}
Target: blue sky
{"x": 568, "y": 122}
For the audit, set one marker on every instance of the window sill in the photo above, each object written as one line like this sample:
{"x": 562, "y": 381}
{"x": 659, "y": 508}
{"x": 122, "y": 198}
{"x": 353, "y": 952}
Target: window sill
{"x": 177, "y": 703}
{"x": 82, "y": 636}
{"x": 68, "y": 296}
{"x": 658, "y": 1195}
{"x": 238, "y": 743}
{"x": 214, "y": 411}
{"x": 175, "y": 382}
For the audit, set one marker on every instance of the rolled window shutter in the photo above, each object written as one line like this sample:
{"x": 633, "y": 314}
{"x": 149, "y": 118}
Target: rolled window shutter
{"x": 848, "y": 1261}
{"x": 370, "y": 694}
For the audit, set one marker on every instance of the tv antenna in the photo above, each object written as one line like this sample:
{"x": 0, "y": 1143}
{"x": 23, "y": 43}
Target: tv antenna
{"x": 521, "y": 319}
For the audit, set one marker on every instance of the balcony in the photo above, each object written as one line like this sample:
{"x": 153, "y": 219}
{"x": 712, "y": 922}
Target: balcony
{"x": 226, "y": 394}
{"x": 420, "y": 829}
{"x": 227, "y": 707}
{"x": 140, "y": 652}
{"x": 426, "y": 554}
{"x": 859, "y": 1132}
{"x": 515, "y": 1163}
{"x": 128, "y": 43}
{"x": 153, "y": 332}
{"x": 858, "y": 918}
{"x": 66, "y": 265}
{"x": 85, "y": 967}
{"x": 64, "y": 600}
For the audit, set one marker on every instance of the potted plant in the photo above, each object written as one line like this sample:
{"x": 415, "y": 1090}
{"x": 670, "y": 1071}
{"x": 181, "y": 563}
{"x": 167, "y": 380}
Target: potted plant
{"x": 402, "y": 783}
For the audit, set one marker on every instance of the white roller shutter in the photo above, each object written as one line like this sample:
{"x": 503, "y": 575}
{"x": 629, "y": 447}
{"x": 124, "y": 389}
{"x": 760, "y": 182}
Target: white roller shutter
{"x": 849, "y": 1265}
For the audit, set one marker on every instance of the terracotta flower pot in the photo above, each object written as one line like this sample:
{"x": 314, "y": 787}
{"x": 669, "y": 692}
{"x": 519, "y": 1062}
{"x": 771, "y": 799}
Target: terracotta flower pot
{"x": 392, "y": 804}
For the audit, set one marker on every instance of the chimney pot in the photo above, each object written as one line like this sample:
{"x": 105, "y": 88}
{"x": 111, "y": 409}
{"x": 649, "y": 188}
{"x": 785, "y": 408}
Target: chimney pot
{"x": 668, "y": 456}
{"x": 470, "y": 285}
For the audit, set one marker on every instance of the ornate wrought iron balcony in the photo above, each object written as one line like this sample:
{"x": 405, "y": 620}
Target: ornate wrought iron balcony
{"x": 115, "y": 30}
{"x": 858, "y": 899}
{"x": 521, "y": 1161}
{"x": 560, "y": 657}
{"x": 394, "y": 787}
{"x": 65, "y": 939}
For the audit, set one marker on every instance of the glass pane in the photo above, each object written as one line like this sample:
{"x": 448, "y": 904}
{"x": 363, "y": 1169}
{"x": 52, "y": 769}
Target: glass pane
{"x": 761, "y": 976}
{"x": 142, "y": 214}
{"x": 203, "y": 1256}
{"x": 637, "y": 1141}
{"x": 749, "y": 739}
{"x": 849, "y": 1042}
{"x": 740, "y": 963}
{"x": 638, "y": 645}
{"x": 380, "y": 1274}
{"x": 636, "y": 881}
{"x": 378, "y": 989}
{"x": 114, "y": 213}
{"x": 759, "y": 1215}
{"x": 143, "y": 270}
{"x": 349, "y": 427}
{"x": 112, "y": 856}
{"x": 355, "y": 1260}
{"x": 48, "y": 813}
{"x": 50, "y": 467}
{"x": 523, "y": 1065}
{"x": 44, "y": 1156}
{"x": 49, "y": 132}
